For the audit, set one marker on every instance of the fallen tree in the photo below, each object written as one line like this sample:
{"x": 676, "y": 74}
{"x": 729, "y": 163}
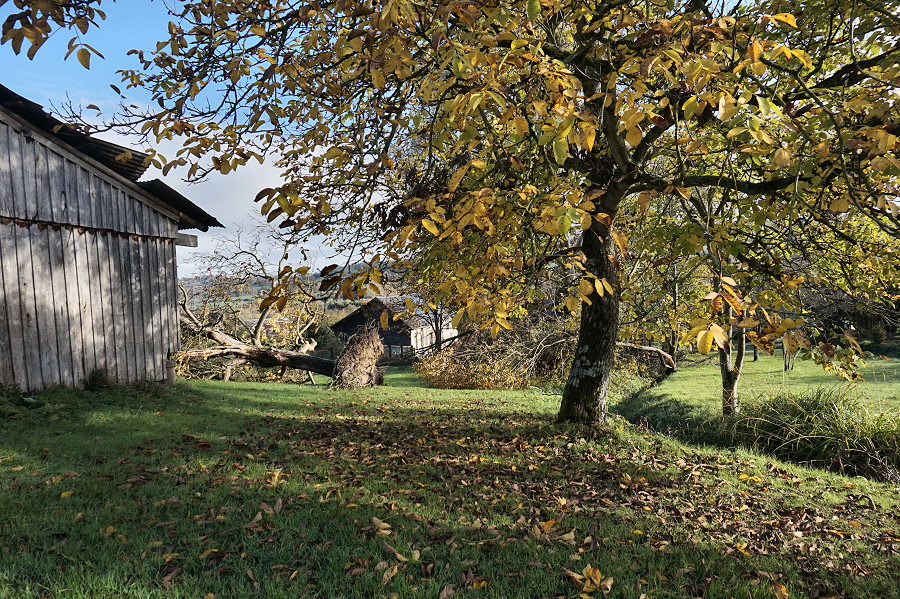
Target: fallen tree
{"x": 261, "y": 356}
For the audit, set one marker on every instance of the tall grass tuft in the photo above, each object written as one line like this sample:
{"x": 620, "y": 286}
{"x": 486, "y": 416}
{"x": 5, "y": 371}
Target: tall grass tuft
{"x": 824, "y": 428}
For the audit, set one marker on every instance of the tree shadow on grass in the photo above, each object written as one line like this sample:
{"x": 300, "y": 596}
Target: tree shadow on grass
{"x": 200, "y": 492}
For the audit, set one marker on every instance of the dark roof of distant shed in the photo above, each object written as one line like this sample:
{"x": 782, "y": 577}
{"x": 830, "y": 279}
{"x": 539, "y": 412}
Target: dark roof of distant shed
{"x": 105, "y": 153}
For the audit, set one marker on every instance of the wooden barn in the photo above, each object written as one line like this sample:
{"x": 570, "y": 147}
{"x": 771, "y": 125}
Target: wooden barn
{"x": 415, "y": 332}
{"x": 87, "y": 255}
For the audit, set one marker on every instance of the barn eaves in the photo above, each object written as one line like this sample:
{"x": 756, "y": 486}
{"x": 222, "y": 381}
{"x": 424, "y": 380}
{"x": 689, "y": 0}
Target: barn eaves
{"x": 105, "y": 153}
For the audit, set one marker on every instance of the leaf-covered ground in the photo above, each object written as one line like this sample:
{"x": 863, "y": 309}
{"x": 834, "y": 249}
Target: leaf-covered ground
{"x": 246, "y": 490}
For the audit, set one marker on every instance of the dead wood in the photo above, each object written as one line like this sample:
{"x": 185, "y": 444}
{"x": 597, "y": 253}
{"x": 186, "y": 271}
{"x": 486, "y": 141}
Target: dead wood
{"x": 261, "y": 356}
{"x": 357, "y": 366}
{"x": 265, "y": 357}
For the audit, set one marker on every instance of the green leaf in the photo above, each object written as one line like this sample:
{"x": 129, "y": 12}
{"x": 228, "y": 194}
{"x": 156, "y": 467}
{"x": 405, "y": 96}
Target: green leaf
{"x": 560, "y": 150}
{"x": 534, "y": 9}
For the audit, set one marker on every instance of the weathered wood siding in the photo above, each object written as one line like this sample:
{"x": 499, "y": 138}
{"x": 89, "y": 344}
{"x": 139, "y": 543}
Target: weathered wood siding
{"x": 87, "y": 268}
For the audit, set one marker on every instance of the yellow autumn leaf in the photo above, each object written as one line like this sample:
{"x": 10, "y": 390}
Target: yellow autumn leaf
{"x": 621, "y": 241}
{"x": 565, "y": 128}
{"x": 585, "y": 287}
{"x": 705, "y": 342}
{"x": 65, "y": 494}
{"x": 840, "y": 205}
{"x": 457, "y": 177}
{"x": 84, "y": 57}
{"x": 598, "y": 285}
{"x": 786, "y": 18}
{"x": 633, "y": 136}
{"x": 521, "y": 126}
{"x": 781, "y": 591}
{"x": 783, "y": 158}
{"x": 378, "y": 78}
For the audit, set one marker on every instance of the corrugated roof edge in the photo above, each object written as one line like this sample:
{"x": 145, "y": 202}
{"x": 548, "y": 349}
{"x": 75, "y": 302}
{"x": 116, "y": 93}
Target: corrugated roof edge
{"x": 105, "y": 152}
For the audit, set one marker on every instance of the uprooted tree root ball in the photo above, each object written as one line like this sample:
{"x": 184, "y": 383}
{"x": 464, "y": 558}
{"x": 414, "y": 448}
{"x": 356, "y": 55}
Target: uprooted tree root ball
{"x": 357, "y": 366}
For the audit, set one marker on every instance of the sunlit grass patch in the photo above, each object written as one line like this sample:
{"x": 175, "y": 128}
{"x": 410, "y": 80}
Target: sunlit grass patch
{"x": 245, "y": 490}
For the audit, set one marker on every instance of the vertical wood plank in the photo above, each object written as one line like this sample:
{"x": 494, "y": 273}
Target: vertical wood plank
{"x": 150, "y": 336}
{"x": 117, "y": 299}
{"x": 108, "y": 330}
{"x": 11, "y": 335}
{"x": 6, "y": 201}
{"x": 16, "y": 175}
{"x": 32, "y": 340}
{"x": 45, "y": 251}
{"x": 130, "y": 203}
{"x": 166, "y": 298}
{"x": 83, "y": 189}
{"x": 73, "y": 305}
{"x": 59, "y": 194}
{"x": 44, "y": 208}
{"x": 137, "y": 307}
{"x": 126, "y": 299}
{"x": 56, "y": 197}
{"x": 30, "y": 167}
{"x": 72, "y": 196}
{"x": 175, "y": 296}
{"x": 155, "y": 296}
{"x": 82, "y": 253}
{"x": 98, "y": 324}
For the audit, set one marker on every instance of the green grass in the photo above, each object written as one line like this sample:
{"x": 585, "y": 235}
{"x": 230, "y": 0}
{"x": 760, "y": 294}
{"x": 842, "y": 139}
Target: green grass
{"x": 694, "y": 393}
{"x": 267, "y": 490}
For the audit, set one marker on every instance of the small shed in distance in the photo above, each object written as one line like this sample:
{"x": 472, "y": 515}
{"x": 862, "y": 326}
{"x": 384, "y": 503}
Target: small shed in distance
{"x": 408, "y": 332}
{"x": 87, "y": 255}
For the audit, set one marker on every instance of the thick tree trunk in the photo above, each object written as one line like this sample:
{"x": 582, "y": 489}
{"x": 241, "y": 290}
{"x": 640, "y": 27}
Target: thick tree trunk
{"x": 266, "y": 357}
{"x": 584, "y": 397}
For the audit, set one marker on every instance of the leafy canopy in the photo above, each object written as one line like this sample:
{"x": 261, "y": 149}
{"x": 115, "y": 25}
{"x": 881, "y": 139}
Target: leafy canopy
{"x": 485, "y": 140}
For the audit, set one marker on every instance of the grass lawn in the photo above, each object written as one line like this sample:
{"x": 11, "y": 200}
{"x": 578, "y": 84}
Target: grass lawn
{"x": 264, "y": 490}
{"x": 695, "y": 391}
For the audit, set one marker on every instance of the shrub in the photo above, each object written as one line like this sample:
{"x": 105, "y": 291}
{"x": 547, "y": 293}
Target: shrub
{"x": 878, "y": 334}
{"x": 531, "y": 358}
{"x": 824, "y": 427}
{"x": 473, "y": 369}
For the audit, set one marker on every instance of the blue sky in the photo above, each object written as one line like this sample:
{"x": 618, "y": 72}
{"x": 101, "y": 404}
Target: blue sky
{"x": 130, "y": 24}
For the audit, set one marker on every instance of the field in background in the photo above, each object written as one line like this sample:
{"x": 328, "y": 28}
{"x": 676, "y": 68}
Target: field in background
{"x": 695, "y": 391}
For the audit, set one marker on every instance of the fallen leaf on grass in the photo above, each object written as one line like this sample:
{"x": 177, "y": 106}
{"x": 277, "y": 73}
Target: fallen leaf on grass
{"x": 394, "y": 552}
{"x": 381, "y": 528}
{"x": 389, "y": 573}
{"x": 169, "y": 578}
{"x": 591, "y": 580}
{"x": 781, "y": 591}
{"x": 448, "y": 591}
{"x": 65, "y": 494}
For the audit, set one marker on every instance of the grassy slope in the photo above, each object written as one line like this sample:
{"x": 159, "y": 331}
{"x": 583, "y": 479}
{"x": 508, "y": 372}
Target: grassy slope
{"x": 695, "y": 390}
{"x": 245, "y": 490}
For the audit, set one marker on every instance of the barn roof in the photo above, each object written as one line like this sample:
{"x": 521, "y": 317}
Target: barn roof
{"x": 396, "y": 306}
{"x": 104, "y": 152}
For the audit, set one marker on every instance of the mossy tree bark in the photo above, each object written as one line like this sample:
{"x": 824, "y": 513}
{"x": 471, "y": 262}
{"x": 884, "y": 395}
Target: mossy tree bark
{"x": 584, "y": 397}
